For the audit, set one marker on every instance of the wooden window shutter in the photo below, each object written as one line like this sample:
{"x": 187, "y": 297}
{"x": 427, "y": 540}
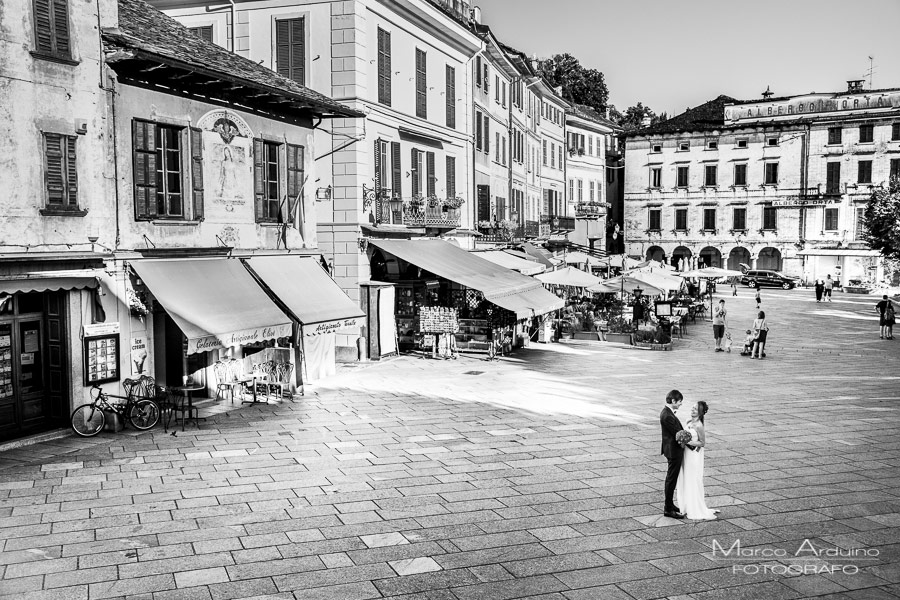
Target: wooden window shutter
{"x": 290, "y": 49}
{"x": 197, "y": 172}
{"x": 71, "y": 171}
{"x": 477, "y": 71}
{"x": 145, "y": 170}
{"x": 384, "y": 67}
{"x": 484, "y": 203}
{"x": 451, "y": 177}
{"x": 259, "y": 183}
{"x": 421, "y": 86}
{"x": 295, "y": 174}
{"x": 396, "y": 172}
{"x": 477, "y": 130}
{"x": 546, "y": 202}
{"x": 487, "y": 135}
{"x": 430, "y": 178}
{"x": 415, "y": 172}
{"x": 451, "y": 97}
{"x": 43, "y": 26}
{"x": 378, "y": 183}
{"x": 55, "y": 176}
{"x": 61, "y": 27}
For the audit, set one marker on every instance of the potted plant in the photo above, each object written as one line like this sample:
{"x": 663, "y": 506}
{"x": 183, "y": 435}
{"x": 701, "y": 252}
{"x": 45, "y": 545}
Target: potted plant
{"x": 655, "y": 338}
{"x": 508, "y": 228}
{"x": 620, "y": 330}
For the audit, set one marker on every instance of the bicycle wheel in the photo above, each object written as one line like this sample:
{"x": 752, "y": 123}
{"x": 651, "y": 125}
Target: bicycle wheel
{"x": 144, "y": 414}
{"x": 88, "y": 420}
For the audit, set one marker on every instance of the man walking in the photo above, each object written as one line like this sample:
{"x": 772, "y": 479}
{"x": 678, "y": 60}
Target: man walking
{"x": 829, "y": 283}
{"x": 672, "y": 450}
{"x": 719, "y": 325}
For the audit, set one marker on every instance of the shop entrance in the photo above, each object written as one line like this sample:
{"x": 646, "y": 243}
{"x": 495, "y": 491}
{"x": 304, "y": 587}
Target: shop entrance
{"x": 33, "y": 360}
{"x": 171, "y": 363}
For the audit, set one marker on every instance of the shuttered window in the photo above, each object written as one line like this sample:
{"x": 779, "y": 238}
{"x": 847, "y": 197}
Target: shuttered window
{"x": 396, "y": 170}
{"x": 487, "y": 135}
{"x": 770, "y": 218}
{"x": 478, "y": 130}
{"x": 417, "y": 172}
{"x": 61, "y": 176}
{"x": 51, "y": 28}
{"x": 739, "y": 219}
{"x": 451, "y": 177}
{"x": 833, "y": 177}
{"x": 430, "y": 177}
{"x": 295, "y": 180}
{"x": 384, "y": 67}
{"x": 160, "y": 171}
{"x": 290, "y": 49}
{"x": 266, "y": 180}
{"x": 451, "y": 97}
{"x": 478, "y": 71}
{"x": 421, "y": 86}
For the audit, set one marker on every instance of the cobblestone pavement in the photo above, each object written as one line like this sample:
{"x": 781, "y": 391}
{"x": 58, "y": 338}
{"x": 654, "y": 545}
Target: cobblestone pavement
{"x": 537, "y": 476}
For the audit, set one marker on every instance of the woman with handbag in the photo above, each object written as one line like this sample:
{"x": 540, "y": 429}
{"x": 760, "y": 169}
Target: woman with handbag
{"x": 760, "y": 332}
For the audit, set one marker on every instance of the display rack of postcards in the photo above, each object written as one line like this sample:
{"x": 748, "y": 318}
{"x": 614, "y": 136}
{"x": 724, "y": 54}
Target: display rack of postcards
{"x": 409, "y": 297}
{"x": 439, "y": 325}
{"x": 6, "y": 368}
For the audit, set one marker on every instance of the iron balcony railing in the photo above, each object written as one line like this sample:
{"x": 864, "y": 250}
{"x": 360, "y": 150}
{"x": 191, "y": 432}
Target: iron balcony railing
{"x": 590, "y": 209}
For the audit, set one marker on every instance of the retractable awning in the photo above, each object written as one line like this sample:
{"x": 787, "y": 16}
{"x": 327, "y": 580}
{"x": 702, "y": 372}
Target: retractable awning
{"x": 307, "y": 293}
{"x": 524, "y": 296}
{"x": 504, "y": 259}
{"x": 215, "y": 302}
{"x": 50, "y": 281}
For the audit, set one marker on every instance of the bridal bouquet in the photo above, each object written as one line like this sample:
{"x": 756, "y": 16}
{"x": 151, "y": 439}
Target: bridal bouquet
{"x": 683, "y": 437}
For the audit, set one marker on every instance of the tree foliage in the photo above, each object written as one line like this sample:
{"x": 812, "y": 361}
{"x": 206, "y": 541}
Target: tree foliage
{"x": 579, "y": 85}
{"x": 633, "y": 117}
{"x": 882, "y": 219}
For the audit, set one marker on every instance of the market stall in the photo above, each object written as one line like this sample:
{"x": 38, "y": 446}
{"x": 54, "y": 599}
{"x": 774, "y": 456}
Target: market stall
{"x": 493, "y": 303}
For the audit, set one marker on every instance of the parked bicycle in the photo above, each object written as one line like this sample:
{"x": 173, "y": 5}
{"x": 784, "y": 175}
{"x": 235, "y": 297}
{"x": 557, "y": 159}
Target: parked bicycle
{"x": 89, "y": 419}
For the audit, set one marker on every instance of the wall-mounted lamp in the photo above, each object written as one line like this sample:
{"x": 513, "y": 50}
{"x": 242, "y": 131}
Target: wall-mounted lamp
{"x": 323, "y": 193}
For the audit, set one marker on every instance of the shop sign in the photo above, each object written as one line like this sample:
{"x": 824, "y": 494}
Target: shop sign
{"x": 138, "y": 356}
{"x": 812, "y": 103}
{"x": 238, "y": 338}
{"x": 338, "y": 326}
{"x": 101, "y": 329}
{"x": 802, "y": 202}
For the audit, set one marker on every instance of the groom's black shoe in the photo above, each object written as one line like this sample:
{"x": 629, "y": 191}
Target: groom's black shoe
{"x": 674, "y": 515}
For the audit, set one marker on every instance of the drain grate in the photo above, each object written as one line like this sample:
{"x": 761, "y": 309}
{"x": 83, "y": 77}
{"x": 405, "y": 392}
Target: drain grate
{"x": 473, "y": 373}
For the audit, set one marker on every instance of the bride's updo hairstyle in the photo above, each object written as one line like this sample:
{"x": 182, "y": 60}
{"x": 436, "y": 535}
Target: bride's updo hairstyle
{"x": 702, "y": 409}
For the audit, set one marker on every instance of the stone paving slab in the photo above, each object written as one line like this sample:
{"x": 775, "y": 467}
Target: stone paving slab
{"x": 536, "y": 476}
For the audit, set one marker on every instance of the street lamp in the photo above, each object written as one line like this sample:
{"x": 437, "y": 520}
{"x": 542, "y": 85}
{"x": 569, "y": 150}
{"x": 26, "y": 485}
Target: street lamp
{"x": 396, "y": 204}
{"x": 637, "y": 313}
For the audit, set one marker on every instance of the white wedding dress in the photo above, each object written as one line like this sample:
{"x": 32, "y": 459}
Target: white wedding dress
{"x": 689, "y": 488}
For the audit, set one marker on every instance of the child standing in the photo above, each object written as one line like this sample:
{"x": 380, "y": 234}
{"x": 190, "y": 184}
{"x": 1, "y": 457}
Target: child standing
{"x": 758, "y": 299}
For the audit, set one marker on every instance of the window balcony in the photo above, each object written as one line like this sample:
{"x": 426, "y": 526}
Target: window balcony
{"x": 555, "y": 223}
{"x": 591, "y": 210}
{"x": 420, "y": 213}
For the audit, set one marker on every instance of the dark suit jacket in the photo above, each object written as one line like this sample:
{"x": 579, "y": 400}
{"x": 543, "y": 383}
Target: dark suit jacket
{"x": 670, "y": 426}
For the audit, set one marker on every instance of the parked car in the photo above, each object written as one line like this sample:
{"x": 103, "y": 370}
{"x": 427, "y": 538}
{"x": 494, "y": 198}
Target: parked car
{"x": 760, "y": 278}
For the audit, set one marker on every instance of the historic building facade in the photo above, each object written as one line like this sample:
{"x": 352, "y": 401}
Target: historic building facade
{"x": 777, "y": 183}
{"x": 133, "y": 170}
{"x": 587, "y": 136}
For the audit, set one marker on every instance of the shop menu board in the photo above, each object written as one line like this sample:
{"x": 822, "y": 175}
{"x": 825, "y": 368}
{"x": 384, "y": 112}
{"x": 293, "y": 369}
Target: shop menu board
{"x": 6, "y": 368}
{"x": 101, "y": 358}
{"x": 438, "y": 319}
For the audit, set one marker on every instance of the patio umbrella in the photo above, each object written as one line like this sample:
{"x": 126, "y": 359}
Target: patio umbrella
{"x": 711, "y": 273}
{"x": 655, "y": 264}
{"x": 666, "y": 280}
{"x": 625, "y": 283}
{"x": 619, "y": 261}
{"x": 580, "y": 258}
{"x": 569, "y": 276}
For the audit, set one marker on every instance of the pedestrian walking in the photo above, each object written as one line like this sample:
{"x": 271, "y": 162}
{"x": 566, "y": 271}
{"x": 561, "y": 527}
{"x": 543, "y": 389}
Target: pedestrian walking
{"x": 734, "y": 286}
{"x": 820, "y": 288}
{"x": 886, "y": 318}
{"x": 758, "y": 298}
{"x": 719, "y": 325}
{"x": 829, "y": 283}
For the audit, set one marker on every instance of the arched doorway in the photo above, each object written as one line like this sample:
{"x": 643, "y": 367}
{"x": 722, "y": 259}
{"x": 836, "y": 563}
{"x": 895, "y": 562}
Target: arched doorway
{"x": 681, "y": 253}
{"x": 769, "y": 258}
{"x": 710, "y": 257}
{"x": 737, "y": 256}
{"x": 656, "y": 253}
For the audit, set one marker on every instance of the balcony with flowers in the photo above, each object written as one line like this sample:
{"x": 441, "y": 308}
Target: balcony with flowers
{"x": 420, "y": 211}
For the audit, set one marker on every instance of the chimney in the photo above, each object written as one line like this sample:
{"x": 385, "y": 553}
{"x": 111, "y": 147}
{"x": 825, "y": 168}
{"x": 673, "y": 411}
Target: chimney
{"x": 476, "y": 14}
{"x": 855, "y": 85}
{"x": 768, "y": 93}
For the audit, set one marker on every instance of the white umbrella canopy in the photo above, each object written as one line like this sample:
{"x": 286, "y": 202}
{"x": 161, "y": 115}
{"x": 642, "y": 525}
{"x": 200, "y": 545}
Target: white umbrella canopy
{"x": 666, "y": 280}
{"x": 655, "y": 264}
{"x": 711, "y": 273}
{"x": 568, "y": 276}
{"x": 580, "y": 258}
{"x": 620, "y": 261}
{"x": 627, "y": 284}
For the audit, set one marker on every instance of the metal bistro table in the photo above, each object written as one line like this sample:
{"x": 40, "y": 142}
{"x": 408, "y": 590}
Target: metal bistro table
{"x": 186, "y": 391}
{"x": 251, "y": 379}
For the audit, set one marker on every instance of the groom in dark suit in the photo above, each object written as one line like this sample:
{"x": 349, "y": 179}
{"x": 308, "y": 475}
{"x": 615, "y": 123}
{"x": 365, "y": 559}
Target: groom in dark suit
{"x": 672, "y": 450}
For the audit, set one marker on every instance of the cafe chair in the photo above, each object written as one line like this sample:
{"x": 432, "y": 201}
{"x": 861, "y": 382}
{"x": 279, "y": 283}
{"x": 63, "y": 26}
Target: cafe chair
{"x": 281, "y": 379}
{"x": 228, "y": 378}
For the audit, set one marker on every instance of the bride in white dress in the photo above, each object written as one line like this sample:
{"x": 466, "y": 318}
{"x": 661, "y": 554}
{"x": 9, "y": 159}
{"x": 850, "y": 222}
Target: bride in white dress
{"x": 691, "y": 495}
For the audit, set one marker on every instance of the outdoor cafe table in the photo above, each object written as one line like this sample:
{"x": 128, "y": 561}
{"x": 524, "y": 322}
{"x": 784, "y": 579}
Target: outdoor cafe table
{"x": 186, "y": 391}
